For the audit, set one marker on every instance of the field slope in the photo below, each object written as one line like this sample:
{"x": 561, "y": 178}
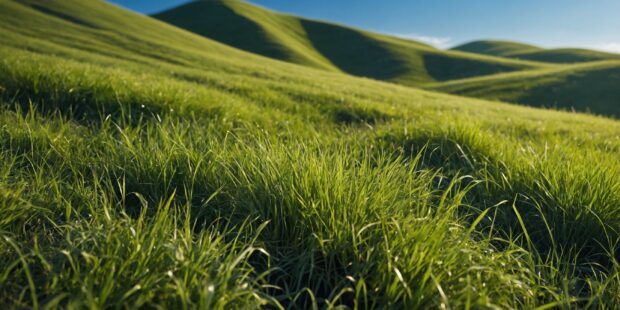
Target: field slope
{"x": 590, "y": 87}
{"x": 329, "y": 46}
{"x": 144, "y": 166}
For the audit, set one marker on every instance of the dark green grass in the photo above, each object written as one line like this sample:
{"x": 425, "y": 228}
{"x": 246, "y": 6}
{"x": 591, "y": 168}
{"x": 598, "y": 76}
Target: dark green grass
{"x": 167, "y": 170}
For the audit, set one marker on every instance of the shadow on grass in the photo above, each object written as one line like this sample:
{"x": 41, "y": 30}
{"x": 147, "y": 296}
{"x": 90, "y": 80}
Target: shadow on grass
{"x": 444, "y": 68}
{"x": 594, "y": 91}
{"x": 225, "y": 26}
{"x": 354, "y": 52}
{"x": 560, "y": 210}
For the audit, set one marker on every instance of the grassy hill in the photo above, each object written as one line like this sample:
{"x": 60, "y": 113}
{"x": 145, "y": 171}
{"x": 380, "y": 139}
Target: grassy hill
{"x": 142, "y": 166}
{"x": 329, "y": 46}
{"x": 337, "y": 48}
{"x": 529, "y": 52}
{"x": 497, "y": 48}
{"x": 588, "y": 87}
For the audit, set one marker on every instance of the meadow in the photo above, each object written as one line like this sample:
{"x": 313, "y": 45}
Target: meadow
{"x": 142, "y": 165}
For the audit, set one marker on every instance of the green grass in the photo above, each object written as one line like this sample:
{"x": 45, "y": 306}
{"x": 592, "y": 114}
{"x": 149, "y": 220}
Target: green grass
{"x": 144, "y": 166}
{"x": 331, "y": 47}
{"x": 529, "y": 52}
{"x": 498, "y": 70}
{"x": 589, "y": 87}
{"x": 497, "y": 48}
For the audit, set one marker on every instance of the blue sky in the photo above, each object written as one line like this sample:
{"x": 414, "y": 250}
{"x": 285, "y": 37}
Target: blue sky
{"x": 444, "y": 23}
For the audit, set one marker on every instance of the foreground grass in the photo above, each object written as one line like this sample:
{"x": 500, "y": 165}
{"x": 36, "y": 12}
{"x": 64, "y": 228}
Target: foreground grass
{"x": 332, "y": 47}
{"x": 185, "y": 174}
{"x": 193, "y": 211}
{"x": 181, "y": 214}
{"x": 585, "y": 87}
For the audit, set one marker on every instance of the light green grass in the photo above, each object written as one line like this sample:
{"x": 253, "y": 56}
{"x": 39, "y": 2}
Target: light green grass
{"x": 143, "y": 166}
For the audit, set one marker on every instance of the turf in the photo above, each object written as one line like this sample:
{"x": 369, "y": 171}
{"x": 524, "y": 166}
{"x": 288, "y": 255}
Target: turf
{"x": 145, "y": 166}
{"x": 329, "y": 46}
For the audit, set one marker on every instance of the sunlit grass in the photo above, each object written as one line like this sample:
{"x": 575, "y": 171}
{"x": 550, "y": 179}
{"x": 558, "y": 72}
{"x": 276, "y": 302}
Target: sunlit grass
{"x": 241, "y": 182}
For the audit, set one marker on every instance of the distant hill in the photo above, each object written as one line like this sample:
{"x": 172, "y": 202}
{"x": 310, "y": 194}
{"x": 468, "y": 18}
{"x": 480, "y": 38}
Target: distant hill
{"x": 584, "y": 87}
{"x": 529, "y": 52}
{"x": 497, "y": 48}
{"x": 331, "y": 47}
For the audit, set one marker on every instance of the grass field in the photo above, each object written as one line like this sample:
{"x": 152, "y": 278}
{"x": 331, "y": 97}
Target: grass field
{"x": 145, "y": 166}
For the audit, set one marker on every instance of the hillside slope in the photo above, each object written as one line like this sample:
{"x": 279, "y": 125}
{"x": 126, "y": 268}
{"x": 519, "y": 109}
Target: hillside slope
{"x": 529, "y": 52}
{"x": 329, "y": 46}
{"x": 143, "y": 166}
{"x": 589, "y": 87}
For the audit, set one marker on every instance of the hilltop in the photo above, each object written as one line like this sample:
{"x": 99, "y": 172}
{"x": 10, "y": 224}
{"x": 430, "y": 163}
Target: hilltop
{"x": 145, "y": 166}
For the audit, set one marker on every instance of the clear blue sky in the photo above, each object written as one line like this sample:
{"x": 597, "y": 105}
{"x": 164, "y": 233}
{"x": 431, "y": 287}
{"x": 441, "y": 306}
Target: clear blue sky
{"x": 550, "y": 23}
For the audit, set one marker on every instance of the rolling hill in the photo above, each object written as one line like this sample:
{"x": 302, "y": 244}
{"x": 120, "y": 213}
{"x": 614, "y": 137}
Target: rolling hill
{"x": 529, "y": 52}
{"x": 588, "y": 87}
{"x": 329, "y": 46}
{"x": 496, "y": 48}
{"x": 145, "y": 166}
{"x": 337, "y": 48}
